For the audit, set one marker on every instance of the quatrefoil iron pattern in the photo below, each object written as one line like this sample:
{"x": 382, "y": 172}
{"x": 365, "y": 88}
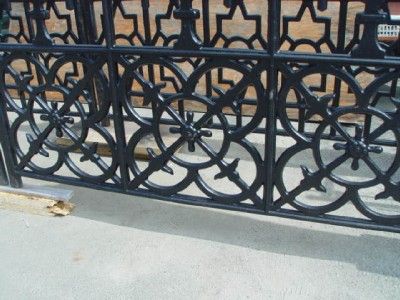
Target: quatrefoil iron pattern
{"x": 209, "y": 103}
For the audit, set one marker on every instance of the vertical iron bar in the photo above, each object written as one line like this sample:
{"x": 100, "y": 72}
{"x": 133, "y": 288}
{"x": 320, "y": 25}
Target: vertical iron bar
{"x": 206, "y": 23}
{"x": 80, "y": 22}
{"x": 274, "y": 14}
{"x": 302, "y": 116}
{"x": 29, "y": 22}
{"x": 31, "y": 31}
{"x": 146, "y": 21}
{"x": 88, "y": 34}
{"x": 206, "y": 42}
{"x": 340, "y": 49}
{"x": 147, "y": 32}
{"x": 115, "y": 101}
{"x": 341, "y": 35}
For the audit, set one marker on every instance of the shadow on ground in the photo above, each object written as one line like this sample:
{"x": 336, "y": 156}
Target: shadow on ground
{"x": 369, "y": 251}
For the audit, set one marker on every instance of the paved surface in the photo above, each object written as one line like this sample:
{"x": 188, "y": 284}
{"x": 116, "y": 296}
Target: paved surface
{"x": 123, "y": 247}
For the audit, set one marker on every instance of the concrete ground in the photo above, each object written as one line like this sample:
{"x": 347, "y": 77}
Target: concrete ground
{"x": 122, "y": 247}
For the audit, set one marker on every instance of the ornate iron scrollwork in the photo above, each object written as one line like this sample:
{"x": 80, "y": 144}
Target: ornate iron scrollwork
{"x": 188, "y": 38}
{"x": 373, "y": 15}
{"x": 40, "y": 14}
{"x": 144, "y": 101}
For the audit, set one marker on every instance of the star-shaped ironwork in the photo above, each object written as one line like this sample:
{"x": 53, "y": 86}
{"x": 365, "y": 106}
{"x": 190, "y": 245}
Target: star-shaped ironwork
{"x": 57, "y": 121}
{"x": 358, "y": 148}
{"x": 324, "y": 21}
{"x": 318, "y": 105}
{"x": 189, "y": 131}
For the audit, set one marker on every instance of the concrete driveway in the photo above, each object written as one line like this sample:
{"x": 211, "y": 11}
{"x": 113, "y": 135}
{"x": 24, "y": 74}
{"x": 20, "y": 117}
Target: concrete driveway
{"x": 123, "y": 247}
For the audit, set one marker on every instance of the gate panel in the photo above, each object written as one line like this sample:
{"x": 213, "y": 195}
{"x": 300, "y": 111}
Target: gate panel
{"x": 346, "y": 152}
{"x": 51, "y": 113}
{"x": 214, "y": 103}
{"x": 184, "y": 150}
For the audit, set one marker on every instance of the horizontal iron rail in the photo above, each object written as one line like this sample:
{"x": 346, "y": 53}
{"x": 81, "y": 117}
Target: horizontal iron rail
{"x": 282, "y": 56}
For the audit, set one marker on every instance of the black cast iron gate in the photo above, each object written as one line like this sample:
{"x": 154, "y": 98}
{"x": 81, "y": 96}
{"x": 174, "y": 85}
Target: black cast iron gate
{"x": 212, "y": 103}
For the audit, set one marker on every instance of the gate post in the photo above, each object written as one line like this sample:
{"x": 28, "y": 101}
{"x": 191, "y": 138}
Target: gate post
{"x": 9, "y": 154}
